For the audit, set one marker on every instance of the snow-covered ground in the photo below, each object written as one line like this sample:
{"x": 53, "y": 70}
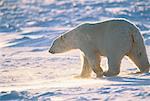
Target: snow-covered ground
{"x": 29, "y": 72}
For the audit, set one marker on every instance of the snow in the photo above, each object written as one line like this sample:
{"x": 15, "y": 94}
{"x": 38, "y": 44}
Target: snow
{"x": 29, "y": 72}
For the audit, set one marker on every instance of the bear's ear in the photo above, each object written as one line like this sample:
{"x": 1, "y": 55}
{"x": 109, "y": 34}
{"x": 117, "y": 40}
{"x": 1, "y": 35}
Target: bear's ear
{"x": 62, "y": 38}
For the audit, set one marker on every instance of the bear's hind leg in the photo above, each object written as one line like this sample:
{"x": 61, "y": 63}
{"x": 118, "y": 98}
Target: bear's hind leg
{"x": 114, "y": 66}
{"x": 86, "y": 69}
{"x": 140, "y": 59}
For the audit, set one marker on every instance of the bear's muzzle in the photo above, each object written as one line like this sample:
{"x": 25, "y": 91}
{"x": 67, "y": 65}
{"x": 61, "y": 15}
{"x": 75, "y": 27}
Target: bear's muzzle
{"x": 52, "y": 52}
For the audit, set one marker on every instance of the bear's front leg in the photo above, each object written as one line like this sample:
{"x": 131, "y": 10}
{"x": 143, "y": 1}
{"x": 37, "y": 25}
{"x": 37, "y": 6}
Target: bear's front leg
{"x": 94, "y": 62}
{"x": 86, "y": 69}
{"x": 114, "y": 66}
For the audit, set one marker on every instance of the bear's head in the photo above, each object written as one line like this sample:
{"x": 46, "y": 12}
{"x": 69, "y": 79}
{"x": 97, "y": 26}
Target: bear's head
{"x": 68, "y": 41}
{"x": 60, "y": 45}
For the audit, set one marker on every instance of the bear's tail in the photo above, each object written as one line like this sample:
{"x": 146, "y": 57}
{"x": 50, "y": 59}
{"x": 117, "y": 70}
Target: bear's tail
{"x": 138, "y": 50}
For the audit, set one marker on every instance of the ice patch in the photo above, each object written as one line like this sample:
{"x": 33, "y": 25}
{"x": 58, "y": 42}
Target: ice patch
{"x": 13, "y": 95}
{"x": 30, "y": 42}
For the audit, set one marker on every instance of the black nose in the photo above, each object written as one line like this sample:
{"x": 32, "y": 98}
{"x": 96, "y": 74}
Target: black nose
{"x": 51, "y": 51}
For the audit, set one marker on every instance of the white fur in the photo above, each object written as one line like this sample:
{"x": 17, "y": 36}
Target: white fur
{"x": 112, "y": 38}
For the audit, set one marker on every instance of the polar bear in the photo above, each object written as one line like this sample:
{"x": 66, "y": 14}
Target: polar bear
{"x": 113, "y": 38}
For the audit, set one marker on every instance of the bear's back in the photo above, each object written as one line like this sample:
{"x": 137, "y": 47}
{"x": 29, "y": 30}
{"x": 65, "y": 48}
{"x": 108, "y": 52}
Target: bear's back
{"x": 109, "y": 35}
